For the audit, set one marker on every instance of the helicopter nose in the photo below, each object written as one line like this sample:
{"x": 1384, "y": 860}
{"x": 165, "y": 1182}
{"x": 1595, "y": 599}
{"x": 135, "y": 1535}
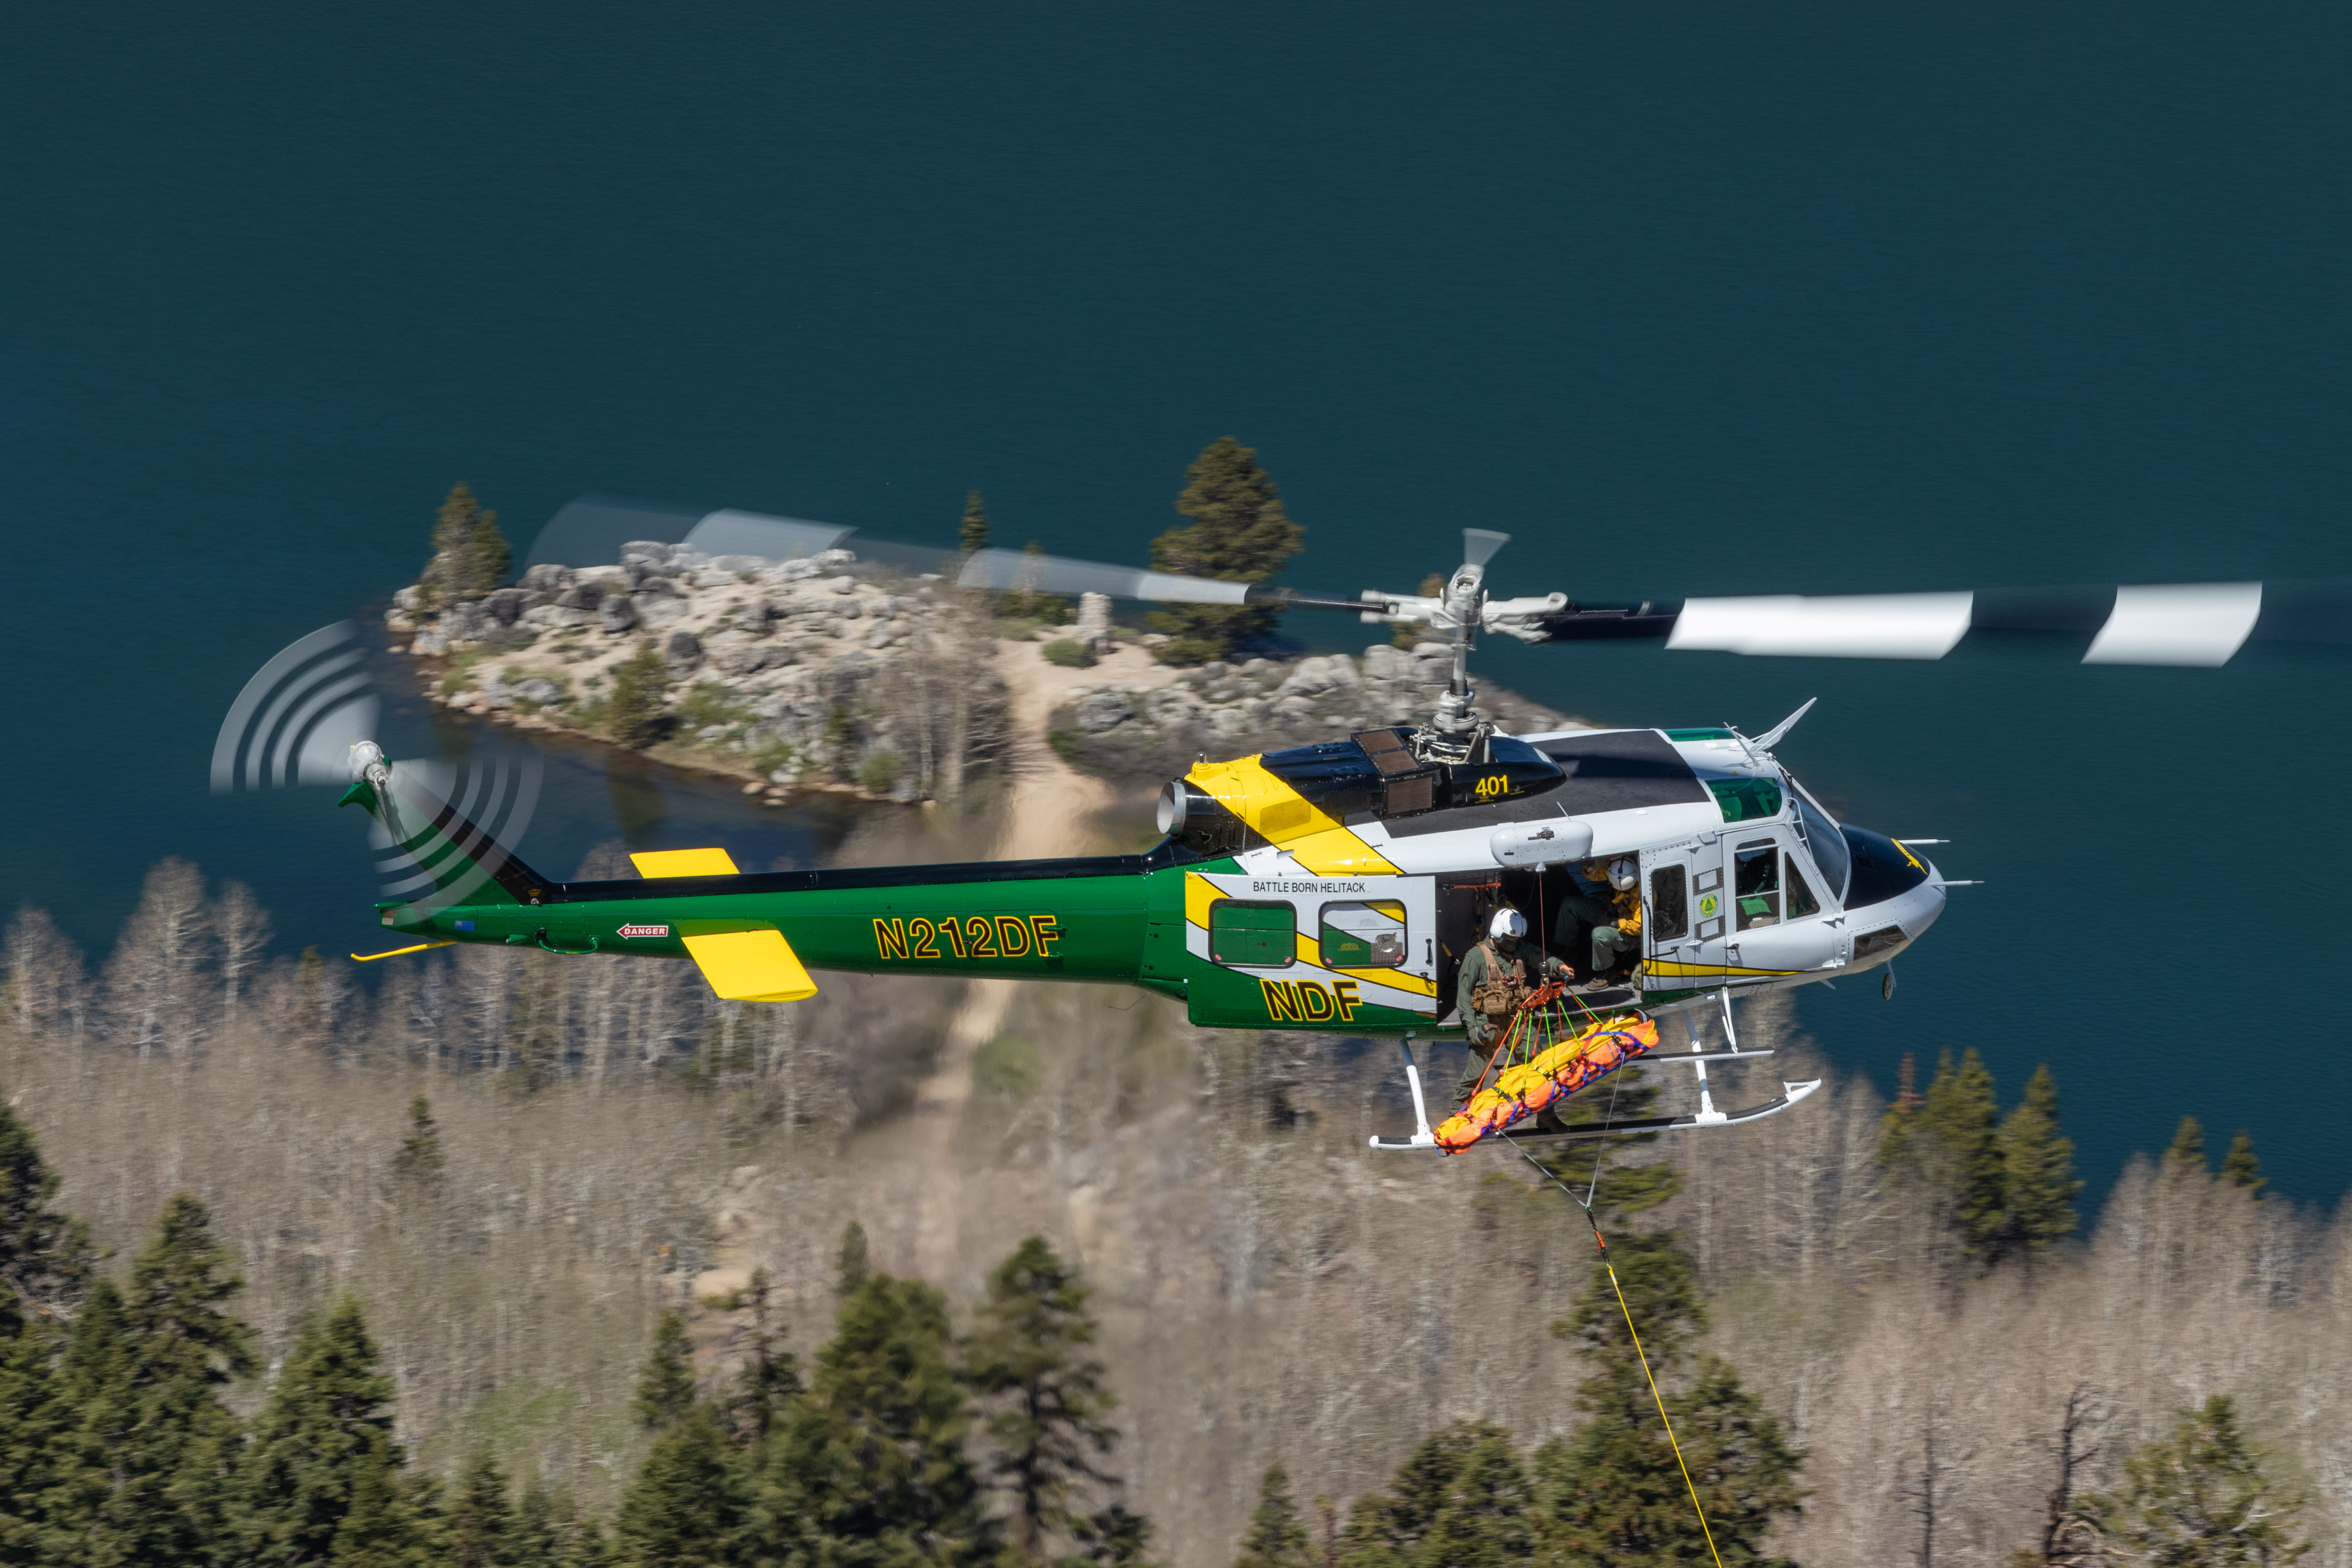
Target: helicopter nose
{"x": 1892, "y": 895}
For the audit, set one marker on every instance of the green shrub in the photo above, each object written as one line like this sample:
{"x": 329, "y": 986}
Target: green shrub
{"x": 880, "y": 773}
{"x": 637, "y": 713}
{"x": 1006, "y": 1067}
{"x": 1070, "y": 654}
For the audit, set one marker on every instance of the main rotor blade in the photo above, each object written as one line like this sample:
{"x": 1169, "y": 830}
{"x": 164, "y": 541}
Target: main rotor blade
{"x": 2185, "y": 625}
{"x": 1479, "y": 544}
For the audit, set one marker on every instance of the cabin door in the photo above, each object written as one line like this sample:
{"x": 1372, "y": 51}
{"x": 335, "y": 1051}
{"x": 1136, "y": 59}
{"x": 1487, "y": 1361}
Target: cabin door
{"x": 1684, "y": 914}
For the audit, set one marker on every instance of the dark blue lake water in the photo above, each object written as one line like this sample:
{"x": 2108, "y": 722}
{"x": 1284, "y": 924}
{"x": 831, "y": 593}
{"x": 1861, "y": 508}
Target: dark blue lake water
{"x": 1695, "y": 300}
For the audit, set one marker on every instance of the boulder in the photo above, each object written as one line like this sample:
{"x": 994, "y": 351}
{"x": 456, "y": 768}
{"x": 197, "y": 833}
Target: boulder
{"x": 547, "y": 578}
{"x": 683, "y": 649}
{"x": 1099, "y": 711}
{"x": 506, "y": 606}
{"x": 616, "y": 614}
{"x": 468, "y": 622}
{"x": 648, "y": 550}
{"x": 428, "y": 642}
{"x": 535, "y": 689}
{"x": 584, "y": 594}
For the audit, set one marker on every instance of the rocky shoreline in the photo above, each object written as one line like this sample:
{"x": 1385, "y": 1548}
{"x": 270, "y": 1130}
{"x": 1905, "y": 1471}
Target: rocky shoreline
{"x": 824, "y": 674}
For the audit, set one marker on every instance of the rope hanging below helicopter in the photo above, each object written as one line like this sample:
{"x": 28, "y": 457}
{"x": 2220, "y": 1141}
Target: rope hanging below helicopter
{"x": 1601, "y": 1247}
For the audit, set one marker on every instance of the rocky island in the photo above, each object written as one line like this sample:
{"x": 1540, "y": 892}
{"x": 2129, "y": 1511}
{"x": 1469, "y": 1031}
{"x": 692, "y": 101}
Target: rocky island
{"x": 826, "y": 672}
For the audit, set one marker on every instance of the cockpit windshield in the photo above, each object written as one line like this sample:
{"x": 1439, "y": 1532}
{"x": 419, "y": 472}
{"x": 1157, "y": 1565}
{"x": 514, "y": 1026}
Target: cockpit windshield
{"x": 1827, "y": 844}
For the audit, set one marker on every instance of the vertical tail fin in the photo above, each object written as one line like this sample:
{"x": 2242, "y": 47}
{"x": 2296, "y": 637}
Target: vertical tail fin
{"x": 432, "y": 816}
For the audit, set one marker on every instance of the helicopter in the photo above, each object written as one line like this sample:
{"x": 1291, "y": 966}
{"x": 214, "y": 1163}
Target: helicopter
{"x": 1335, "y": 886}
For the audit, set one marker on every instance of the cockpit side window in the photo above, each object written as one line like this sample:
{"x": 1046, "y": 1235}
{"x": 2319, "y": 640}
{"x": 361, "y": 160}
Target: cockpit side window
{"x": 1828, "y": 845}
{"x": 1802, "y": 901}
{"x": 1755, "y": 883}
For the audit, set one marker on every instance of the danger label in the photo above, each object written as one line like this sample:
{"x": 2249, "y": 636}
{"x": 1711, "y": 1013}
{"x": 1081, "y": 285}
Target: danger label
{"x": 644, "y": 930}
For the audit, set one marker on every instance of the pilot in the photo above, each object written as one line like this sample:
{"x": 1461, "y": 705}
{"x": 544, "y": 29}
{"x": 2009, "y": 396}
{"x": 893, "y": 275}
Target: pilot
{"x": 1618, "y": 940}
{"x": 1493, "y": 983}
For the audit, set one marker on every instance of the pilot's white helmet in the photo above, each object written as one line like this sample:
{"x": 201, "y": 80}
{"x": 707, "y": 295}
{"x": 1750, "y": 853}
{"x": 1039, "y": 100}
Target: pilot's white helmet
{"x": 1508, "y": 922}
{"x": 1623, "y": 873}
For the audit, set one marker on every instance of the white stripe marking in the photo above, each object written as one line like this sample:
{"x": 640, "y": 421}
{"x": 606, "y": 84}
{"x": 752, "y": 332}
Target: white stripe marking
{"x": 1851, "y": 626}
{"x": 2181, "y": 623}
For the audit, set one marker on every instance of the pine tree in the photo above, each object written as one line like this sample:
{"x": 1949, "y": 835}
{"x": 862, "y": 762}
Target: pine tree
{"x": 666, "y": 1387}
{"x": 483, "y": 1531}
{"x": 849, "y": 1261}
{"x": 323, "y": 1451}
{"x": 872, "y": 1459}
{"x": 470, "y": 554}
{"x": 1028, "y": 1355}
{"x": 1393, "y": 1527}
{"x": 1614, "y": 1493}
{"x": 1483, "y": 1520}
{"x": 2185, "y": 1157}
{"x": 383, "y": 1524}
{"x": 1238, "y": 533}
{"x": 1278, "y": 1535}
{"x": 1945, "y": 1150}
{"x": 2241, "y": 1170}
{"x": 45, "y": 1258}
{"x": 1113, "y": 1538}
{"x": 539, "y": 1528}
{"x": 687, "y": 1507}
{"x": 2196, "y": 1498}
{"x": 419, "y": 1164}
{"x": 973, "y": 533}
{"x": 144, "y": 1474}
{"x": 637, "y": 713}
{"x": 2037, "y": 1169}
{"x": 39, "y": 1496}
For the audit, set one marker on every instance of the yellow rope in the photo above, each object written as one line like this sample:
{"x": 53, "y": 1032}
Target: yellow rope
{"x": 1641, "y": 1356}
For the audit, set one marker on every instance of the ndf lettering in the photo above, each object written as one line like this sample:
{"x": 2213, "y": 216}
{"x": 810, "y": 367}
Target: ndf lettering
{"x": 1308, "y": 1001}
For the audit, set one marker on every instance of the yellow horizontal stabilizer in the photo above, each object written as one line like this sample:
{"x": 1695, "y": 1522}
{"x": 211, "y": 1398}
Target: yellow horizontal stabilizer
{"x": 685, "y": 863}
{"x": 751, "y": 966}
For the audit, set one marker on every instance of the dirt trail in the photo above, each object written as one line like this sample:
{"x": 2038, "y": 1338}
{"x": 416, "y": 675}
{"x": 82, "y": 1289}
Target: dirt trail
{"x": 1047, "y": 814}
{"x": 911, "y": 1158}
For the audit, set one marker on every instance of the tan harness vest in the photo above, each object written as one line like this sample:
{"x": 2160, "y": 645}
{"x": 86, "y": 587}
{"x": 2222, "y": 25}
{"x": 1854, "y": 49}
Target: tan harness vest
{"x": 1497, "y": 997}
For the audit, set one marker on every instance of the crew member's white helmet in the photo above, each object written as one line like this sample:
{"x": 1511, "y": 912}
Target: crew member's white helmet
{"x": 1623, "y": 873}
{"x": 1508, "y": 922}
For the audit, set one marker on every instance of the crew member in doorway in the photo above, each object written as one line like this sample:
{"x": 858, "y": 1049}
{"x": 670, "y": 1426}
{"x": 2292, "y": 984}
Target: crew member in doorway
{"x": 1494, "y": 983}
{"x": 1617, "y": 943}
{"x": 1585, "y": 911}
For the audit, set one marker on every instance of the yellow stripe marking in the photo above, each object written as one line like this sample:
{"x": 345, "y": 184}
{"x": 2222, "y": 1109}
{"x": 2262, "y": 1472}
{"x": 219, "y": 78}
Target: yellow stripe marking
{"x": 1199, "y": 894}
{"x": 654, "y": 863}
{"x": 751, "y": 966}
{"x": 1282, "y": 816}
{"x": 395, "y": 952}
{"x": 1695, "y": 971}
